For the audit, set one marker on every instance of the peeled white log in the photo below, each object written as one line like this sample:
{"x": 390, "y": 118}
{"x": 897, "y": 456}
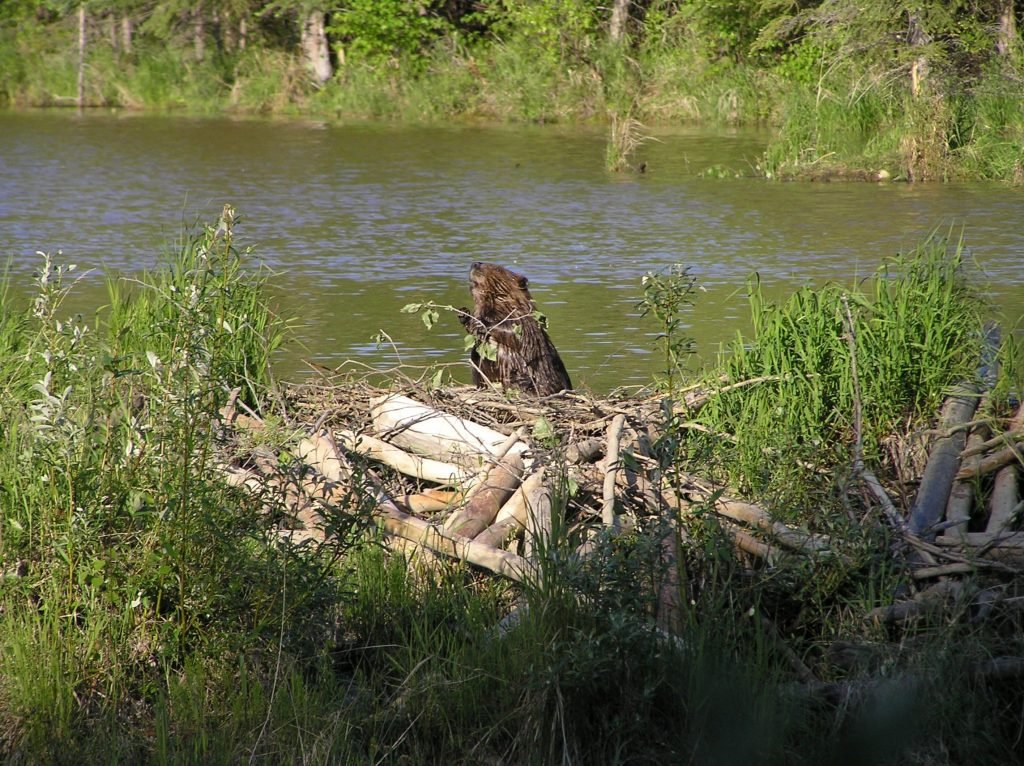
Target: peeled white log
{"x": 395, "y": 522}
{"x": 435, "y": 471}
{"x": 427, "y": 431}
{"x": 321, "y": 453}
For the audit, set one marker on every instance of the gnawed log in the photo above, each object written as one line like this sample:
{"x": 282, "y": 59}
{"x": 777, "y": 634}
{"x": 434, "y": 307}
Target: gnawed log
{"x": 320, "y": 452}
{"x": 515, "y": 514}
{"x": 747, "y": 513}
{"x": 961, "y": 496}
{"x": 933, "y": 494}
{"x": 428, "y": 431}
{"x": 395, "y": 522}
{"x": 435, "y": 471}
{"x": 486, "y": 498}
{"x": 1005, "y": 492}
{"x": 932, "y": 600}
{"x": 429, "y": 501}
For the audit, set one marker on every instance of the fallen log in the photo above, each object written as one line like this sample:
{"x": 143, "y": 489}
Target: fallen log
{"x": 395, "y": 522}
{"x": 961, "y": 496}
{"x": 611, "y": 465}
{"x": 434, "y": 471}
{"x": 515, "y": 514}
{"x": 1005, "y": 493}
{"x": 486, "y": 498}
{"x": 937, "y": 482}
{"x": 428, "y": 431}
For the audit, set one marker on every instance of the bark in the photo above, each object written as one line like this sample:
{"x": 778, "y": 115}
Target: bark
{"x": 80, "y": 99}
{"x": 127, "y": 33}
{"x": 620, "y": 14}
{"x": 199, "y": 31}
{"x": 1006, "y": 28}
{"x": 316, "y": 48}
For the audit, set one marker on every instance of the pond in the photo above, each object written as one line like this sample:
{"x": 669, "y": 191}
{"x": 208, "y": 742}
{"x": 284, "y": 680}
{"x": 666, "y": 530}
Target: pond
{"x": 358, "y": 220}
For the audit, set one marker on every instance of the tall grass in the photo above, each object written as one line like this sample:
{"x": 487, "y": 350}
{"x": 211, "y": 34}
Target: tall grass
{"x": 916, "y": 326}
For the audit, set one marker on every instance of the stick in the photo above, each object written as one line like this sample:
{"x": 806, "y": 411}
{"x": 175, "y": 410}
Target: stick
{"x": 611, "y": 462}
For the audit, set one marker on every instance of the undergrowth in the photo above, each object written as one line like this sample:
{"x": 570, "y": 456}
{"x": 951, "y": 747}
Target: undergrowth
{"x": 145, "y": 615}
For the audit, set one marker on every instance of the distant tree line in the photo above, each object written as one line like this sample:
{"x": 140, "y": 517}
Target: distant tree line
{"x": 926, "y": 38}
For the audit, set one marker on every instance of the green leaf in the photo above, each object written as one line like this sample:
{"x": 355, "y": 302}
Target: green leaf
{"x": 429, "y": 318}
{"x": 411, "y": 308}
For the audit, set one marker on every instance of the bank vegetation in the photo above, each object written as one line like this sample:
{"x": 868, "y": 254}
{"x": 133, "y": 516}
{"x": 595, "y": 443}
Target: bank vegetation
{"x": 757, "y": 562}
{"x": 916, "y": 91}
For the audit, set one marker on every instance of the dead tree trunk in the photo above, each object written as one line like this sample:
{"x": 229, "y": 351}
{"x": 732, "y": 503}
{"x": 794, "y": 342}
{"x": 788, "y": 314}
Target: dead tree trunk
{"x": 199, "y": 32}
{"x": 80, "y": 99}
{"x": 315, "y": 47}
{"x": 620, "y": 14}
{"x": 1006, "y": 28}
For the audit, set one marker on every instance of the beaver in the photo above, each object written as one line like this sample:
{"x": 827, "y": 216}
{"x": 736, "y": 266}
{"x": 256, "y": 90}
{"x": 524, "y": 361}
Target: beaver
{"x": 521, "y": 355}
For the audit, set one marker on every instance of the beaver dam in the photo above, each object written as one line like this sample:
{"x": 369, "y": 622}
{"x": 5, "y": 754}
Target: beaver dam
{"x": 809, "y": 552}
{"x": 476, "y": 475}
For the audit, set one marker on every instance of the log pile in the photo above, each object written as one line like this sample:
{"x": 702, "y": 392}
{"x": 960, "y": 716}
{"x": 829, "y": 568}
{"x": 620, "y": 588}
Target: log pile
{"x": 476, "y": 475}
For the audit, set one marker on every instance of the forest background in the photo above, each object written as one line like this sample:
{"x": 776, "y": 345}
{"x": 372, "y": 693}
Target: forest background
{"x": 915, "y": 90}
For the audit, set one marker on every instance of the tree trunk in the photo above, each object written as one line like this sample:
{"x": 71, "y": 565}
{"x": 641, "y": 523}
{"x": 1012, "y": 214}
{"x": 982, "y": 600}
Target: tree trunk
{"x": 243, "y": 33}
{"x": 620, "y": 14}
{"x": 315, "y": 48}
{"x": 1006, "y": 28}
{"x": 127, "y": 30}
{"x": 199, "y": 31}
{"x": 917, "y": 38}
{"x": 80, "y": 100}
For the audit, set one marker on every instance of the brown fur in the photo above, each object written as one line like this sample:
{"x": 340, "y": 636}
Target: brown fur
{"x": 503, "y": 315}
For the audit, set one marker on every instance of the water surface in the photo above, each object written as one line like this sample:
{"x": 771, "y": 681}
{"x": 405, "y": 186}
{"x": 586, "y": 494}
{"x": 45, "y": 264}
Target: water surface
{"x": 358, "y": 220}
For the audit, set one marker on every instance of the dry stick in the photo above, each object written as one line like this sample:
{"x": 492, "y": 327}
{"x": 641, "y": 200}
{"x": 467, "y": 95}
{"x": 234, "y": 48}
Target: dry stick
{"x": 993, "y": 463}
{"x": 859, "y": 468}
{"x": 608, "y": 516}
{"x": 1008, "y": 438}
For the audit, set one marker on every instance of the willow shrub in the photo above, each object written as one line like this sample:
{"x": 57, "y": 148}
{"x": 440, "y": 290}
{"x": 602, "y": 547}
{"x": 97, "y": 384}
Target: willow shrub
{"x": 916, "y": 326}
{"x": 127, "y": 558}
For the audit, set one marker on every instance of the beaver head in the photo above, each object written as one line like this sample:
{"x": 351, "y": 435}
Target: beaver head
{"x": 498, "y": 292}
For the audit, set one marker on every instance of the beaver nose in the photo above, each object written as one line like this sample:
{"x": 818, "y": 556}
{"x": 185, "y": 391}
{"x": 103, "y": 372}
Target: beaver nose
{"x": 476, "y": 265}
